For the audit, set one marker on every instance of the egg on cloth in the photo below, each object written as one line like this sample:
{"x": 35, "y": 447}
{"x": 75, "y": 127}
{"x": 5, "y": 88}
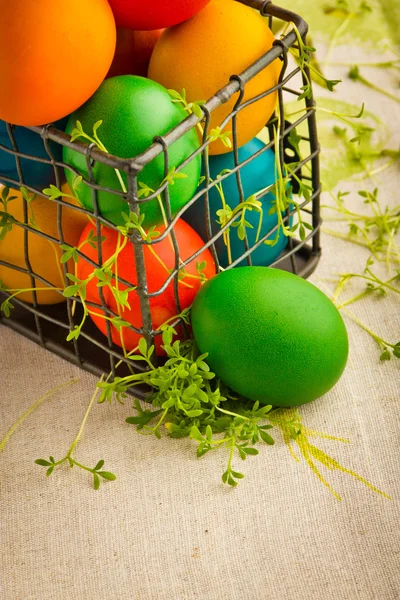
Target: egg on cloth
{"x": 201, "y": 54}
{"x": 134, "y": 110}
{"x": 255, "y": 176}
{"x": 270, "y": 335}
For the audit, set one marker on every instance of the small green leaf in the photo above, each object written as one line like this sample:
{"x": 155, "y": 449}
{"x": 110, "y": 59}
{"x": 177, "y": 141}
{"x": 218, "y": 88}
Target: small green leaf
{"x": 96, "y": 481}
{"x": 250, "y": 451}
{"x": 76, "y": 182}
{"x": 74, "y": 334}
{"x": 385, "y": 355}
{"x": 70, "y": 291}
{"x": 107, "y": 475}
{"x": 5, "y": 193}
{"x": 42, "y": 462}
{"x": 194, "y": 413}
{"x": 6, "y": 307}
{"x": 197, "y": 111}
{"x": 237, "y": 475}
{"x": 143, "y": 346}
{"x": 174, "y": 94}
{"x": 96, "y": 126}
{"x": 53, "y": 192}
{"x": 266, "y": 438}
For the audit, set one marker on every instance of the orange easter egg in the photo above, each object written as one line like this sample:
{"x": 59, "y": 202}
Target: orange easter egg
{"x": 201, "y": 54}
{"x": 44, "y": 255}
{"x": 53, "y": 56}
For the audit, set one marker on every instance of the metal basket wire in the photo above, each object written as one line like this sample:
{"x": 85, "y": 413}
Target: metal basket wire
{"x": 49, "y": 325}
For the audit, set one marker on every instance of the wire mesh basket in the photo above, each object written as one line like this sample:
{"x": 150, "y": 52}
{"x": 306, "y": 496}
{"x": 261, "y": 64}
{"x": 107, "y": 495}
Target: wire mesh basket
{"x": 50, "y": 325}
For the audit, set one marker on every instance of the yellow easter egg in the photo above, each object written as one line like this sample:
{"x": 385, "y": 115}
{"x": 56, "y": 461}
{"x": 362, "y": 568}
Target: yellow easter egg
{"x": 201, "y": 54}
{"x": 44, "y": 255}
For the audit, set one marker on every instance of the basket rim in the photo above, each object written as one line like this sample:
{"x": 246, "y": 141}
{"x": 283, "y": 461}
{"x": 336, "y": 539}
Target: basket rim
{"x": 134, "y": 165}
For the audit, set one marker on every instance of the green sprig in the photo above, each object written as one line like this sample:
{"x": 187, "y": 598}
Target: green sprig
{"x": 97, "y": 471}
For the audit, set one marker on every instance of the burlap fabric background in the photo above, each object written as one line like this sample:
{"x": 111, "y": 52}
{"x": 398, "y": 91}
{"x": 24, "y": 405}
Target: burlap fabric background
{"x": 168, "y": 529}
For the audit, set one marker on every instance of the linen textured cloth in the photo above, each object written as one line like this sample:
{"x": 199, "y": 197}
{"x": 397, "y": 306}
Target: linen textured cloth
{"x": 168, "y": 529}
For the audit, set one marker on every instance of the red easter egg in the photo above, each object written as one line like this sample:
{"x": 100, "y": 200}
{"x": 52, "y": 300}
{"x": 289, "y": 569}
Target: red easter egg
{"x": 133, "y": 52}
{"x": 154, "y": 14}
{"x": 159, "y": 260}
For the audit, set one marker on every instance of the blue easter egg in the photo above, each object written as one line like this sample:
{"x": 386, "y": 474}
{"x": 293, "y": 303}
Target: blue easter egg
{"x": 37, "y": 175}
{"x": 255, "y": 176}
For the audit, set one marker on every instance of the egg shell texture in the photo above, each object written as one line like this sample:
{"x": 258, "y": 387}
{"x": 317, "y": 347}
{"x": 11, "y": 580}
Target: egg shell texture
{"x": 164, "y": 305}
{"x": 271, "y": 336}
{"x": 154, "y": 14}
{"x": 44, "y": 254}
{"x": 201, "y": 54}
{"x": 256, "y": 175}
{"x": 133, "y": 52}
{"x": 134, "y": 110}
{"x": 53, "y": 57}
{"x": 36, "y": 174}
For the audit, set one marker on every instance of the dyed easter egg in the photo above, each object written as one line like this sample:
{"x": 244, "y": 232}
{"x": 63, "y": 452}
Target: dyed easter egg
{"x": 270, "y": 335}
{"x": 133, "y": 52}
{"x": 159, "y": 261}
{"x": 36, "y": 174}
{"x": 255, "y": 176}
{"x": 201, "y": 54}
{"x": 44, "y": 254}
{"x": 134, "y": 110}
{"x": 138, "y": 14}
{"x": 53, "y": 57}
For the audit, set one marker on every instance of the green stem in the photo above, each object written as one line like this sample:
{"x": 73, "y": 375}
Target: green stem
{"x": 157, "y": 426}
{"x": 339, "y": 31}
{"x": 384, "y": 65}
{"x": 372, "y": 86}
{"x": 231, "y": 453}
{"x": 228, "y": 412}
{"x": 118, "y": 173}
{"x": 352, "y": 300}
{"x": 381, "y": 342}
{"x": 44, "y": 289}
{"x": 227, "y": 233}
{"x": 32, "y": 408}
{"x": 75, "y": 462}
{"x": 82, "y": 427}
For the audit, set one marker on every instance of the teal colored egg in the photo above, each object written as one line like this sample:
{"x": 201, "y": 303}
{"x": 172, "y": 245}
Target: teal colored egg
{"x": 36, "y": 174}
{"x": 270, "y": 335}
{"x": 255, "y": 176}
{"x": 134, "y": 110}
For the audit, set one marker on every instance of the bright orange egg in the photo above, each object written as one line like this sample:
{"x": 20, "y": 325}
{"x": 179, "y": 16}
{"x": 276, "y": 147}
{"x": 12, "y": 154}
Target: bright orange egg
{"x": 53, "y": 57}
{"x": 201, "y": 54}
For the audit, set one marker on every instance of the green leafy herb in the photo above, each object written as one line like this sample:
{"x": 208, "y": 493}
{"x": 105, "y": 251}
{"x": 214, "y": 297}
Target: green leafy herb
{"x": 97, "y": 471}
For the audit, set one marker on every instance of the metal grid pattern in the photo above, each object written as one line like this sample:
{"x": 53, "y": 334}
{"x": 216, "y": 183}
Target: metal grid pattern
{"x": 49, "y": 325}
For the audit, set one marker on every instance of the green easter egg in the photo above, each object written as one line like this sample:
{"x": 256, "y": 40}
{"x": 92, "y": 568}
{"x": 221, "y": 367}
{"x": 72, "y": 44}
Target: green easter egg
{"x": 270, "y": 335}
{"x": 133, "y": 110}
